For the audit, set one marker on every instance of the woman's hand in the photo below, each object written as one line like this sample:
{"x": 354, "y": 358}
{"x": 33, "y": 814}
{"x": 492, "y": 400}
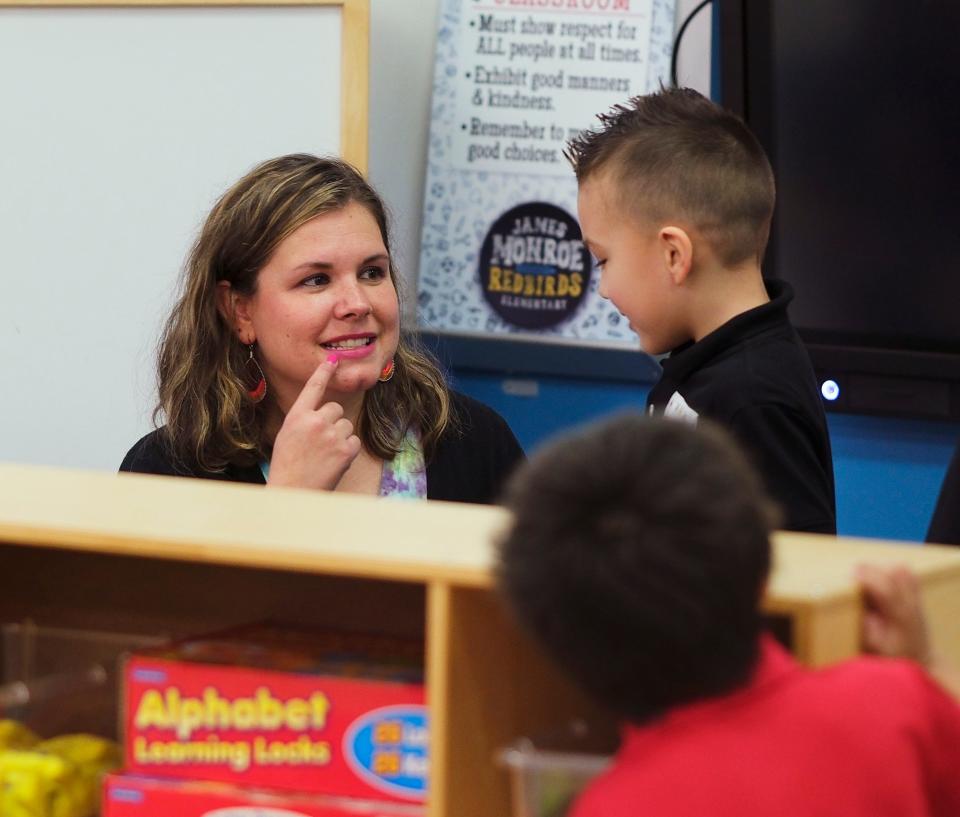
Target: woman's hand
{"x": 316, "y": 444}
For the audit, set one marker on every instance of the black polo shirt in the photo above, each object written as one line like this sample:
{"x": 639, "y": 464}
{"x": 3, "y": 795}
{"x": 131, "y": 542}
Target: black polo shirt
{"x": 754, "y": 377}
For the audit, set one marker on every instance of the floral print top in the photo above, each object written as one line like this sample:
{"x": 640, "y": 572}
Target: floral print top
{"x": 405, "y": 476}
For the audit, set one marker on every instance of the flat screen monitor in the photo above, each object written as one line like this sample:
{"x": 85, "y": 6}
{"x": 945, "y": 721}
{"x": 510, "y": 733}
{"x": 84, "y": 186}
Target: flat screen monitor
{"x": 858, "y": 106}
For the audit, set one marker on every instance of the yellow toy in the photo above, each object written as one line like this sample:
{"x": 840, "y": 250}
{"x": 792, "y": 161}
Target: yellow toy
{"x": 59, "y": 777}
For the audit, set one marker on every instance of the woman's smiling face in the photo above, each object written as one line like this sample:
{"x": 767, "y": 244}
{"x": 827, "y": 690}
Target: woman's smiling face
{"x": 327, "y": 289}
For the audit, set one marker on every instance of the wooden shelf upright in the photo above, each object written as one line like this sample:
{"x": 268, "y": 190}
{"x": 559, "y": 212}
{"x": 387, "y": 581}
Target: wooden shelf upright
{"x": 155, "y": 555}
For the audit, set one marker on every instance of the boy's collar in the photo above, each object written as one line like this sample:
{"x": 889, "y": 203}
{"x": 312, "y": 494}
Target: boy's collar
{"x": 774, "y": 665}
{"x": 690, "y": 355}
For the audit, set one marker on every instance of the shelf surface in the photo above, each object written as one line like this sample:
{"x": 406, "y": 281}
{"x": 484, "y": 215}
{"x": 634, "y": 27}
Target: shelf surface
{"x": 247, "y": 525}
{"x": 343, "y": 534}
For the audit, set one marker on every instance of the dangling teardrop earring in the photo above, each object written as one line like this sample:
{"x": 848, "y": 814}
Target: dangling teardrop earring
{"x": 259, "y": 391}
{"x": 387, "y": 371}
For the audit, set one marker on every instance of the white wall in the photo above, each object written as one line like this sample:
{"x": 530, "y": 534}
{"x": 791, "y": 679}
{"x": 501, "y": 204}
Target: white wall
{"x": 401, "y": 80}
{"x": 693, "y": 67}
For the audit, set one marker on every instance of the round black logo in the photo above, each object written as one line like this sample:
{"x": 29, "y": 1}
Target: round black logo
{"x": 534, "y": 269}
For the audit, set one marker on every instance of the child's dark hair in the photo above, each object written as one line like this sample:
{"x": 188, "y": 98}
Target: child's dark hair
{"x": 675, "y": 154}
{"x": 637, "y": 556}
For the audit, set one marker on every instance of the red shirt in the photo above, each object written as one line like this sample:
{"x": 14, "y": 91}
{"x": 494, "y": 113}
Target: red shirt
{"x": 870, "y": 737}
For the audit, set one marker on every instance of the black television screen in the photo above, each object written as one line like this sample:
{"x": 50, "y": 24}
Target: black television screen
{"x": 858, "y": 105}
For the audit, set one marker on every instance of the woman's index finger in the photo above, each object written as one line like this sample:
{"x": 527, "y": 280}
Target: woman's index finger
{"x": 312, "y": 393}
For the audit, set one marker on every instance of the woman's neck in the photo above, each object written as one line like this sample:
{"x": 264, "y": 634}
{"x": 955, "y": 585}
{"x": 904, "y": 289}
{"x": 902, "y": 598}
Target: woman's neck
{"x": 352, "y": 404}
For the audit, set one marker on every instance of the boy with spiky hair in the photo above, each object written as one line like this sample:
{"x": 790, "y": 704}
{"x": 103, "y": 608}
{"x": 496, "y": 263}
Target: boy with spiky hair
{"x": 638, "y": 555}
{"x": 676, "y": 198}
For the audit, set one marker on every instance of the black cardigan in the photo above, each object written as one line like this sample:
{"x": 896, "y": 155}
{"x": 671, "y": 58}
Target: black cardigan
{"x": 470, "y": 463}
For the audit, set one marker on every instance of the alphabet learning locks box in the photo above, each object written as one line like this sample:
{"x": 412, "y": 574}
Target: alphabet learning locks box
{"x": 133, "y": 796}
{"x": 275, "y": 707}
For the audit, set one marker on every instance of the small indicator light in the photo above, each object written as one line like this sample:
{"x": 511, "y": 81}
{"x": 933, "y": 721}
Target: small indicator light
{"x": 830, "y": 390}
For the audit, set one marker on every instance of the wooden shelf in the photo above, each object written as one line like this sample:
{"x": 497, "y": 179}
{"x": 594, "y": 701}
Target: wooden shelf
{"x": 159, "y": 555}
{"x": 245, "y": 525}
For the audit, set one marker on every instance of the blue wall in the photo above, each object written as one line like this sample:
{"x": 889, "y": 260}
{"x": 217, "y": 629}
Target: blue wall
{"x": 888, "y": 471}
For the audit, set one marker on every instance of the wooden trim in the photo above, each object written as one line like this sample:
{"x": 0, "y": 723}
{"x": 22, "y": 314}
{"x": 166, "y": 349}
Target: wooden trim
{"x": 826, "y": 633}
{"x": 355, "y": 55}
{"x": 438, "y": 631}
{"x": 163, "y": 3}
{"x": 403, "y": 569}
{"x": 355, "y": 83}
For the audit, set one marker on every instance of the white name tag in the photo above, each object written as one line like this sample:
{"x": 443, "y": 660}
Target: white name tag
{"x": 677, "y": 409}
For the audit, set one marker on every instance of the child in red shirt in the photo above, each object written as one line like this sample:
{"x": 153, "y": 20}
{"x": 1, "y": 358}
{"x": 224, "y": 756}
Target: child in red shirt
{"x": 638, "y": 555}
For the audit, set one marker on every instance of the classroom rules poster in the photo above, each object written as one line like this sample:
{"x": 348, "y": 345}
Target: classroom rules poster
{"x": 514, "y": 81}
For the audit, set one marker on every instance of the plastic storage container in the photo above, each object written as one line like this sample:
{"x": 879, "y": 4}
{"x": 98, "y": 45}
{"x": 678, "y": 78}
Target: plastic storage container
{"x": 58, "y": 681}
{"x": 548, "y": 773}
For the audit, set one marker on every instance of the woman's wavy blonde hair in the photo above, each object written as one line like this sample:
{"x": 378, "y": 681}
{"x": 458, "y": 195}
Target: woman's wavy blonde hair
{"x": 210, "y": 419}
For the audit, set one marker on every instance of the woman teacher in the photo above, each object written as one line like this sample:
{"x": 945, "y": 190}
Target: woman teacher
{"x": 283, "y": 361}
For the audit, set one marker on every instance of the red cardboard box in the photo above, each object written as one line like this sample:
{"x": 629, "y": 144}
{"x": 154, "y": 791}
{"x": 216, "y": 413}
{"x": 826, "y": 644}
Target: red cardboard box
{"x": 131, "y": 796}
{"x": 275, "y": 708}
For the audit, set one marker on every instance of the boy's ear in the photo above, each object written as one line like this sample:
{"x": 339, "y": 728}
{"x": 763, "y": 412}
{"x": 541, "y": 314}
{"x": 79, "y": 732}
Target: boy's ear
{"x": 677, "y": 251}
{"x": 233, "y": 307}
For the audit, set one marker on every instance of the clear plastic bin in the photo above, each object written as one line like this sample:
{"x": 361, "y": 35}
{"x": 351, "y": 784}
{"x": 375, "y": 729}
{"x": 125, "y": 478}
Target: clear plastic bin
{"x": 58, "y": 681}
{"x": 547, "y": 773}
